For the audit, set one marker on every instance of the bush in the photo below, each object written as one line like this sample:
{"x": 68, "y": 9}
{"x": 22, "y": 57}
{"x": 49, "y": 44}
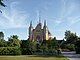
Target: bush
{"x": 28, "y": 47}
{"x": 71, "y": 47}
{"x": 10, "y": 51}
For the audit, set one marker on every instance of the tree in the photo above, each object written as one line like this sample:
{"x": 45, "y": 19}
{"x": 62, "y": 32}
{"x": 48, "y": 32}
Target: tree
{"x": 14, "y": 36}
{"x": 14, "y": 41}
{"x": 1, "y": 36}
{"x": 44, "y": 48}
{"x": 70, "y": 37}
{"x": 23, "y": 46}
{"x": 49, "y": 46}
{"x": 2, "y": 4}
{"x": 2, "y": 41}
{"x": 28, "y": 47}
{"x": 1, "y": 44}
{"x": 52, "y": 43}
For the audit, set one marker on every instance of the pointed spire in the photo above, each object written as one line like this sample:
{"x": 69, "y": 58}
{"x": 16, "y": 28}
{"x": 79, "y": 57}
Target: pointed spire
{"x": 31, "y": 23}
{"x": 45, "y": 23}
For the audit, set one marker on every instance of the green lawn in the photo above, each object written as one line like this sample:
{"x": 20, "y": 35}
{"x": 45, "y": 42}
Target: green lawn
{"x": 32, "y": 57}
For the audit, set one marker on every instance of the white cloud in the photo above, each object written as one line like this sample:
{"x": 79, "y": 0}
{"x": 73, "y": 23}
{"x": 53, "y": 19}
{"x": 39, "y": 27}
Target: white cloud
{"x": 13, "y": 17}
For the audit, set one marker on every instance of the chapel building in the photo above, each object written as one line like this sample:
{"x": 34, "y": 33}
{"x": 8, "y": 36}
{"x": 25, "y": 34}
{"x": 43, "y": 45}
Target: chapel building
{"x": 39, "y": 33}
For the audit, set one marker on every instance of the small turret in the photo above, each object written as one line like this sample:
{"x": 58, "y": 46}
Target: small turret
{"x": 45, "y": 30}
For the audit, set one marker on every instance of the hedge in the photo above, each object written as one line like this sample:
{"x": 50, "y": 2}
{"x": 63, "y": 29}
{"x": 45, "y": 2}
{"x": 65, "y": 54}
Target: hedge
{"x": 10, "y": 51}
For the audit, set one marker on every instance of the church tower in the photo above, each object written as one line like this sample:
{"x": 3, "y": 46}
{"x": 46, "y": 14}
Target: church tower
{"x": 30, "y": 31}
{"x": 45, "y": 31}
{"x": 38, "y": 32}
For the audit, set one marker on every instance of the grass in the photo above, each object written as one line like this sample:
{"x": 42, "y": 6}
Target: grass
{"x": 32, "y": 57}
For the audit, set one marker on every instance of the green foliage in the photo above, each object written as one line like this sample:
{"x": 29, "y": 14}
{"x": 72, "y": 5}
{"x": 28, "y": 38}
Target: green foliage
{"x": 70, "y": 37}
{"x": 49, "y": 46}
{"x": 14, "y": 37}
{"x": 14, "y": 41}
{"x": 1, "y": 36}
{"x": 23, "y": 43}
{"x": 44, "y": 48}
{"x": 6, "y": 44}
{"x": 71, "y": 47}
{"x": 52, "y": 51}
{"x": 10, "y": 51}
{"x": 52, "y": 44}
{"x": 63, "y": 45}
{"x": 28, "y": 47}
{"x": 1, "y": 44}
{"x": 16, "y": 47}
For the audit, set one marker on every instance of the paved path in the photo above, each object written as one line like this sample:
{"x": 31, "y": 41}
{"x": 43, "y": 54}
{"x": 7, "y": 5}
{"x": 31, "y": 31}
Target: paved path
{"x": 71, "y": 55}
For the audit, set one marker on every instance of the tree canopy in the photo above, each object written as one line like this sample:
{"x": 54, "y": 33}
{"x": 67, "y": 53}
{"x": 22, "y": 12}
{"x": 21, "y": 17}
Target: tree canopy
{"x": 14, "y": 41}
{"x": 71, "y": 37}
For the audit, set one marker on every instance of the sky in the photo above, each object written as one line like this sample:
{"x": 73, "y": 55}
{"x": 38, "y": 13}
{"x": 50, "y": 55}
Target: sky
{"x": 61, "y": 15}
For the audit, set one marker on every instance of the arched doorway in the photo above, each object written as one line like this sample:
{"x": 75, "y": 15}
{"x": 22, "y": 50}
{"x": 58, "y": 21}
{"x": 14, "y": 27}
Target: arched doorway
{"x": 38, "y": 39}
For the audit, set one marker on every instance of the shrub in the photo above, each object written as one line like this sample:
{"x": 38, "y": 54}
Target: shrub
{"x": 10, "y": 51}
{"x": 71, "y": 47}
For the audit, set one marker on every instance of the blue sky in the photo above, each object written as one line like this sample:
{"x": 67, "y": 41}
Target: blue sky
{"x": 61, "y": 15}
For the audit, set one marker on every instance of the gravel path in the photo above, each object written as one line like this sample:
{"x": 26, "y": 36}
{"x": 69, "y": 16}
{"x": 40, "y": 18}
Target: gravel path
{"x": 71, "y": 55}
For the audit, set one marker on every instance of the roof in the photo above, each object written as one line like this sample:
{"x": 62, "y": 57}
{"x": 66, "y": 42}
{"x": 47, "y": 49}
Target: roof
{"x": 49, "y": 32}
